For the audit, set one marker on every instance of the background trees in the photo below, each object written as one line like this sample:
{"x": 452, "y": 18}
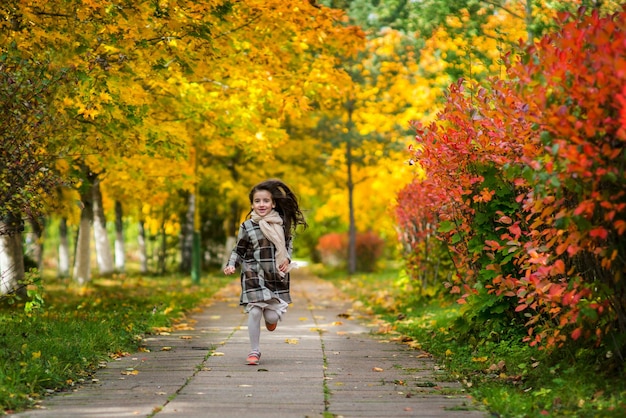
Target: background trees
{"x": 182, "y": 90}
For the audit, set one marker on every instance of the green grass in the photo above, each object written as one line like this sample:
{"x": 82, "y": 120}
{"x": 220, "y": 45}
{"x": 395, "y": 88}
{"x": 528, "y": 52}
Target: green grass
{"x": 62, "y": 343}
{"x": 508, "y": 377}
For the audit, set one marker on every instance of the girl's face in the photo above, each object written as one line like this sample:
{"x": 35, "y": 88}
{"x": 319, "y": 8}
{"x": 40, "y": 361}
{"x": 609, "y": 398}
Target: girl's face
{"x": 262, "y": 202}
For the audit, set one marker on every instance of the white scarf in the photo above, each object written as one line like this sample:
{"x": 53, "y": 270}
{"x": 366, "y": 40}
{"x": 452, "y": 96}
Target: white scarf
{"x": 272, "y": 227}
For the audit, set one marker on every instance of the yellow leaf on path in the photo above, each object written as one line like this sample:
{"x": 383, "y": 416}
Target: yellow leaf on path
{"x": 377, "y": 369}
{"x": 183, "y": 327}
{"x": 292, "y": 341}
{"x": 217, "y": 354}
{"x": 303, "y": 318}
{"x": 130, "y": 372}
{"x": 166, "y": 348}
{"x": 337, "y": 323}
{"x": 186, "y": 337}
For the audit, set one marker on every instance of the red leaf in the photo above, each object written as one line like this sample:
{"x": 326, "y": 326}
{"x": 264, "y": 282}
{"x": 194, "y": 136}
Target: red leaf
{"x": 599, "y": 232}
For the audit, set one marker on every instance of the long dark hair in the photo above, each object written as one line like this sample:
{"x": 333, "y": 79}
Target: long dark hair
{"x": 286, "y": 203}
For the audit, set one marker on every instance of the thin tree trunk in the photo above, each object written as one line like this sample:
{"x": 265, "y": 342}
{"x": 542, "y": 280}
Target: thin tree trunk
{"x": 186, "y": 239}
{"x": 162, "y": 257}
{"x": 35, "y": 248}
{"x": 103, "y": 247}
{"x": 82, "y": 260}
{"x": 64, "y": 250}
{"x": 11, "y": 257}
{"x": 350, "y": 184}
{"x": 143, "y": 251}
{"x": 120, "y": 252}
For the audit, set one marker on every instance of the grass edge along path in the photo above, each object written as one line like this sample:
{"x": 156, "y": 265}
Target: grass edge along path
{"x": 78, "y": 330}
{"x": 506, "y": 375}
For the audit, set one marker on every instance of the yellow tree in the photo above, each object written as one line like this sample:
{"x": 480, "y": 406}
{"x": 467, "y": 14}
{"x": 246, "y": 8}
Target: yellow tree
{"x": 367, "y": 127}
{"x": 143, "y": 66}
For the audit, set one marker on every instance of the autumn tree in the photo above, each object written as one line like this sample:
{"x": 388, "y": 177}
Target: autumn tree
{"x": 27, "y": 173}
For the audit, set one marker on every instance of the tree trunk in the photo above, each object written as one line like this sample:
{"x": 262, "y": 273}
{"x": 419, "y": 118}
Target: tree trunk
{"x": 186, "y": 239}
{"x": 162, "y": 254}
{"x": 103, "y": 248}
{"x": 82, "y": 260}
{"x": 64, "y": 250}
{"x": 35, "y": 248}
{"x": 120, "y": 252}
{"x": 143, "y": 251}
{"x": 350, "y": 184}
{"x": 11, "y": 257}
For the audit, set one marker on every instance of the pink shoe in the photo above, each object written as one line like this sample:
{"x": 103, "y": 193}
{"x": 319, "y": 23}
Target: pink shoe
{"x": 253, "y": 358}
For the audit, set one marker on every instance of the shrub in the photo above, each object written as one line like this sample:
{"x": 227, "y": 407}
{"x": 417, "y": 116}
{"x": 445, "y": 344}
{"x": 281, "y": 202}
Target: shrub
{"x": 333, "y": 249}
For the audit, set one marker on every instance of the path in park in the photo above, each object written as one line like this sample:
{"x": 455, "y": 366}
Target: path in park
{"x": 322, "y": 360}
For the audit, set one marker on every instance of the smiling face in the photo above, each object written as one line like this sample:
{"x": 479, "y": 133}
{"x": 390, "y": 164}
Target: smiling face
{"x": 262, "y": 202}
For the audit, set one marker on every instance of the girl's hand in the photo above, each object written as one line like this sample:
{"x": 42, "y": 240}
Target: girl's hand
{"x": 283, "y": 266}
{"x": 229, "y": 270}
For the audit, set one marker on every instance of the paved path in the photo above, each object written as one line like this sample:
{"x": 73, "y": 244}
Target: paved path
{"x": 322, "y": 361}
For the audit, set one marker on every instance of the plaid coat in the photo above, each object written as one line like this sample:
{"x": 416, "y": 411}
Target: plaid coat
{"x": 260, "y": 280}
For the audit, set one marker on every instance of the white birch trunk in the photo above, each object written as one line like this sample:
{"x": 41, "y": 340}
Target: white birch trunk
{"x": 7, "y": 278}
{"x": 82, "y": 263}
{"x": 82, "y": 259}
{"x": 120, "y": 253}
{"x": 11, "y": 261}
{"x": 103, "y": 248}
{"x": 64, "y": 250}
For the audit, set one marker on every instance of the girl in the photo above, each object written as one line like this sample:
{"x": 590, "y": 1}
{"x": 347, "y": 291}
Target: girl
{"x": 263, "y": 250}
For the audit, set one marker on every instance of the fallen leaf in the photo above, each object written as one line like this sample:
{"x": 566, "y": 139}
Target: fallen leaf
{"x": 183, "y": 327}
{"x": 130, "y": 372}
{"x": 217, "y": 354}
{"x": 166, "y": 348}
{"x": 292, "y": 341}
{"x": 337, "y": 323}
{"x": 377, "y": 369}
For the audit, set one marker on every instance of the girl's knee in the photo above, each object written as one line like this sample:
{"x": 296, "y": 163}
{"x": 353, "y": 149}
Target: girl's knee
{"x": 255, "y": 313}
{"x": 271, "y": 316}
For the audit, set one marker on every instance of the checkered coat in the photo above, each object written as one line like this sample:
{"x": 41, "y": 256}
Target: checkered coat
{"x": 260, "y": 280}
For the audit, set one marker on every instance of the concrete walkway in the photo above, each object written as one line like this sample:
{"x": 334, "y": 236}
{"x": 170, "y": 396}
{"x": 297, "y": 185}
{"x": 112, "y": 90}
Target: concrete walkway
{"x": 322, "y": 361}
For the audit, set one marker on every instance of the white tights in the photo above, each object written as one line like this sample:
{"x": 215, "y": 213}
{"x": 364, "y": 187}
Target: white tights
{"x": 254, "y": 324}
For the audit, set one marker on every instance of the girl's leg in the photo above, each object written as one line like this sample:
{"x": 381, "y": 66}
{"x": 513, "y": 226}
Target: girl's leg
{"x": 271, "y": 316}
{"x": 254, "y": 327}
